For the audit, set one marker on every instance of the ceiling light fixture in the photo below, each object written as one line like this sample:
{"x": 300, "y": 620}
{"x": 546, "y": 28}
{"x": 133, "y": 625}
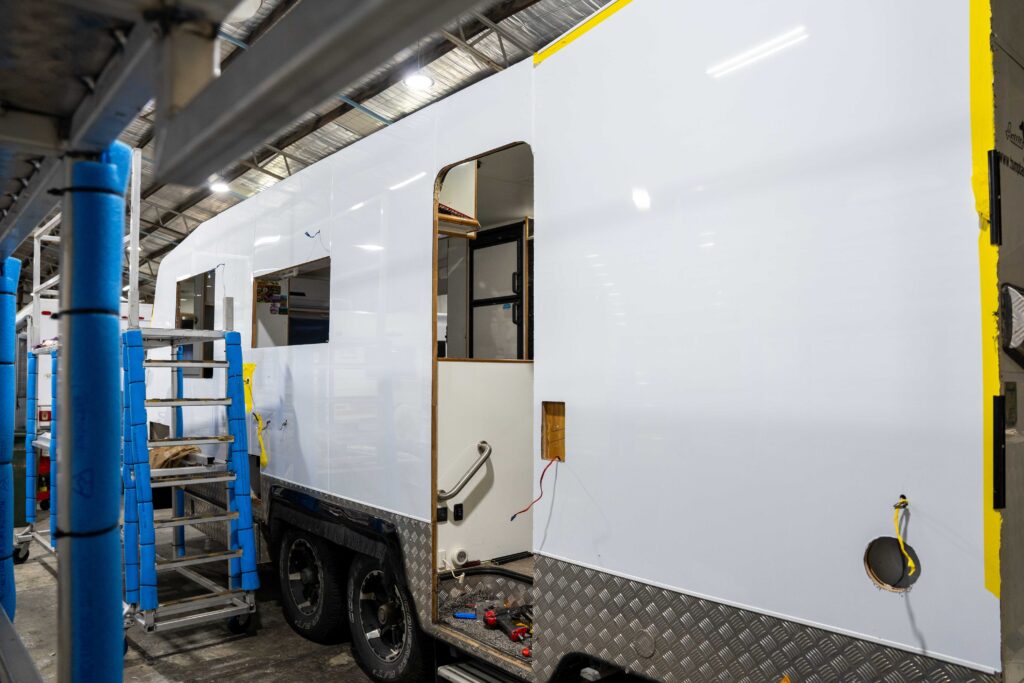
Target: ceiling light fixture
{"x": 418, "y": 81}
{"x": 220, "y": 187}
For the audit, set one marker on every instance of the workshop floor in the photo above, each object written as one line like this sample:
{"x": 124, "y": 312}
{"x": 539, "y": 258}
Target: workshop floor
{"x": 205, "y": 653}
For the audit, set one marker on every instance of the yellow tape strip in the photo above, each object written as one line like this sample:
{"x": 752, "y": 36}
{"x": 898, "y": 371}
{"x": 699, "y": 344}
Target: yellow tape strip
{"x": 983, "y": 137}
{"x": 248, "y": 369}
{"x": 572, "y": 35}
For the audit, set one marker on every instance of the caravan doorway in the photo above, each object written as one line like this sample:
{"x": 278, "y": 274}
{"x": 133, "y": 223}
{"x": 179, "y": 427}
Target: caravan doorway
{"x": 484, "y": 438}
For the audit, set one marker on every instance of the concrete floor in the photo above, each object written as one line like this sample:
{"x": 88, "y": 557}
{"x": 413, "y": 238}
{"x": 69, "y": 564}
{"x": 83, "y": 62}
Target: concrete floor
{"x": 205, "y": 653}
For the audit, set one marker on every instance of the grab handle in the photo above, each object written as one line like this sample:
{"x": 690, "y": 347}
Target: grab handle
{"x": 484, "y": 450}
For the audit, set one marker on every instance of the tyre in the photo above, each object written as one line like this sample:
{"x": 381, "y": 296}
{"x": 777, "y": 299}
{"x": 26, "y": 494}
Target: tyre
{"x": 21, "y": 554}
{"x": 312, "y": 587}
{"x": 44, "y": 505}
{"x": 386, "y": 640}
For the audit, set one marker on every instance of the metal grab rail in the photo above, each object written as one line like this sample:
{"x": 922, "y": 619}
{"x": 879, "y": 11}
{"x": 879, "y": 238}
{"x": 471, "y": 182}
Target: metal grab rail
{"x": 484, "y": 449}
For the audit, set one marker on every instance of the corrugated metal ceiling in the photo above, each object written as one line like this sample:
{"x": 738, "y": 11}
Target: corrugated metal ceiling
{"x": 170, "y": 213}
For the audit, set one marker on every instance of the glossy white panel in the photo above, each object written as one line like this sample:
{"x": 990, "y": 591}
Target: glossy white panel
{"x": 757, "y": 295}
{"x": 351, "y": 417}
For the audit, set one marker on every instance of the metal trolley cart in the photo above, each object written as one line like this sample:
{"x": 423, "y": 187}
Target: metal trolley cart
{"x": 236, "y": 601}
{"x": 38, "y": 442}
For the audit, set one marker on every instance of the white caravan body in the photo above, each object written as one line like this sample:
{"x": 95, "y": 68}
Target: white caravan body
{"x": 757, "y": 295}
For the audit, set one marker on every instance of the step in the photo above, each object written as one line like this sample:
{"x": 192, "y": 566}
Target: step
{"x": 204, "y": 558}
{"x": 154, "y": 338}
{"x": 191, "y": 479}
{"x": 194, "y": 602}
{"x": 472, "y": 672}
{"x": 168, "y": 363}
{"x": 185, "y": 402}
{"x": 191, "y": 440}
{"x": 194, "y": 519}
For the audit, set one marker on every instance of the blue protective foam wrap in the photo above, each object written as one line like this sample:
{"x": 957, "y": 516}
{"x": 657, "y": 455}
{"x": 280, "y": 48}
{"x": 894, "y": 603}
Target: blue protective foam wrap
{"x": 89, "y": 524}
{"x": 52, "y": 454}
{"x": 8, "y": 288}
{"x": 31, "y": 413}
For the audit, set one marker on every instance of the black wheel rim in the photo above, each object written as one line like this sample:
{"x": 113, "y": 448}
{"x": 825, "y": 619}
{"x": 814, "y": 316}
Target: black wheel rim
{"x": 305, "y": 577}
{"x": 382, "y": 616}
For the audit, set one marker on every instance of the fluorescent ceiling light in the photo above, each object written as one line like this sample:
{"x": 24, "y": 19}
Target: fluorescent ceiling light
{"x": 356, "y": 207}
{"x": 418, "y": 81}
{"x": 220, "y": 187}
{"x": 759, "y": 52}
{"x": 407, "y": 181}
{"x": 370, "y": 247}
{"x": 641, "y": 198}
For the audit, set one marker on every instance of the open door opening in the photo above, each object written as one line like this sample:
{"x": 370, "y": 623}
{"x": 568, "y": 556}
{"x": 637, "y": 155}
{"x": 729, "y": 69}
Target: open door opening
{"x": 483, "y": 421}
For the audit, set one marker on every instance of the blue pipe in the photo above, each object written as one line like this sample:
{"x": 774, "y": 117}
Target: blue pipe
{"x": 179, "y": 430}
{"x": 243, "y": 570}
{"x": 8, "y": 291}
{"x": 52, "y": 455}
{"x": 136, "y": 398}
{"x": 131, "y": 512}
{"x": 31, "y": 410}
{"x": 91, "y": 629}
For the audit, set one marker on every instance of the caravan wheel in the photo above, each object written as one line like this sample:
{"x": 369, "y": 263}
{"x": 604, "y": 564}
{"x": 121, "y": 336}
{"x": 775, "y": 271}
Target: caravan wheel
{"x": 312, "y": 588}
{"x": 385, "y": 637}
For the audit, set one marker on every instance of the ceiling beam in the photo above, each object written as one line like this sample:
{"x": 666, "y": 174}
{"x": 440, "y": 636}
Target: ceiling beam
{"x": 318, "y": 49}
{"x": 29, "y": 133}
{"x": 122, "y": 89}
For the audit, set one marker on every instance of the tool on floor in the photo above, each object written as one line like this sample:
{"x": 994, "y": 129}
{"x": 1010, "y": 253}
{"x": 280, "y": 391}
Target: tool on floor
{"x": 515, "y": 622}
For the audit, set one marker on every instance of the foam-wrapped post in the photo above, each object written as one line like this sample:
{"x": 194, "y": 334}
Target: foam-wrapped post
{"x": 131, "y": 512}
{"x": 136, "y": 397}
{"x": 179, "y": 430}
{"x": 31, "y": 410}
{"x": 239, "y": 460}
{"x": 53, "y": 452}
{"x": 8, "y": 291}
{"x": 90, "y": 627}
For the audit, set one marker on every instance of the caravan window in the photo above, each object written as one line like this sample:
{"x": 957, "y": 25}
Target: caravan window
{"x": 292, "y": 306}
{"x": 195, "y": 311}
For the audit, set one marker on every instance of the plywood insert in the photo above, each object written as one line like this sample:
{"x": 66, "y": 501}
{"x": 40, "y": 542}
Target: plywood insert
{"x": 552, "y": 431}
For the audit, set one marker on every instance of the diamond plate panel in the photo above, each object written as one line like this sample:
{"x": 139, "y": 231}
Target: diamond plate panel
{"x": 669, "y": 636}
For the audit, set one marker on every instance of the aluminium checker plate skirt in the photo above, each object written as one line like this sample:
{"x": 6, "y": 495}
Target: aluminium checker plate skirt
{"x": 661, "y": 634}
{"x": 669, "y": 636}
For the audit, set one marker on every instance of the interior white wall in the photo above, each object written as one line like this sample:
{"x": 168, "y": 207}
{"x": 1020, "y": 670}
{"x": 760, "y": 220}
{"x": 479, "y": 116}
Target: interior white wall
{"x": 784, "y": 337}
{"x": 490, "y": 402}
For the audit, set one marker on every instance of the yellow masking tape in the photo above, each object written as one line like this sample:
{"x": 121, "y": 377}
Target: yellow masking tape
{"x": 248, "y": 369}
{"x": 983, "y": 138}
{"x": 572, "y": 35}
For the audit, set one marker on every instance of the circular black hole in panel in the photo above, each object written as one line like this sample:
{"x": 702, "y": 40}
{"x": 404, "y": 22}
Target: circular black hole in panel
{"x": 887, "y": 566}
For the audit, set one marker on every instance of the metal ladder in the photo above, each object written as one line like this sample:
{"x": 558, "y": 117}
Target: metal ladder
{"x": 236, "y": 601}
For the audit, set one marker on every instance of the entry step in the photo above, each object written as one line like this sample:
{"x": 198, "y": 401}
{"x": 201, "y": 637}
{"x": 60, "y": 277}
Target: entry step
{"x": 472, "y": 672}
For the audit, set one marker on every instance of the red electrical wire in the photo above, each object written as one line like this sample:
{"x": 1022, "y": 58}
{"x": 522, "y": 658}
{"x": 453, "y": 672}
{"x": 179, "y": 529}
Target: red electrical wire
{"x": 527, "y": 508}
